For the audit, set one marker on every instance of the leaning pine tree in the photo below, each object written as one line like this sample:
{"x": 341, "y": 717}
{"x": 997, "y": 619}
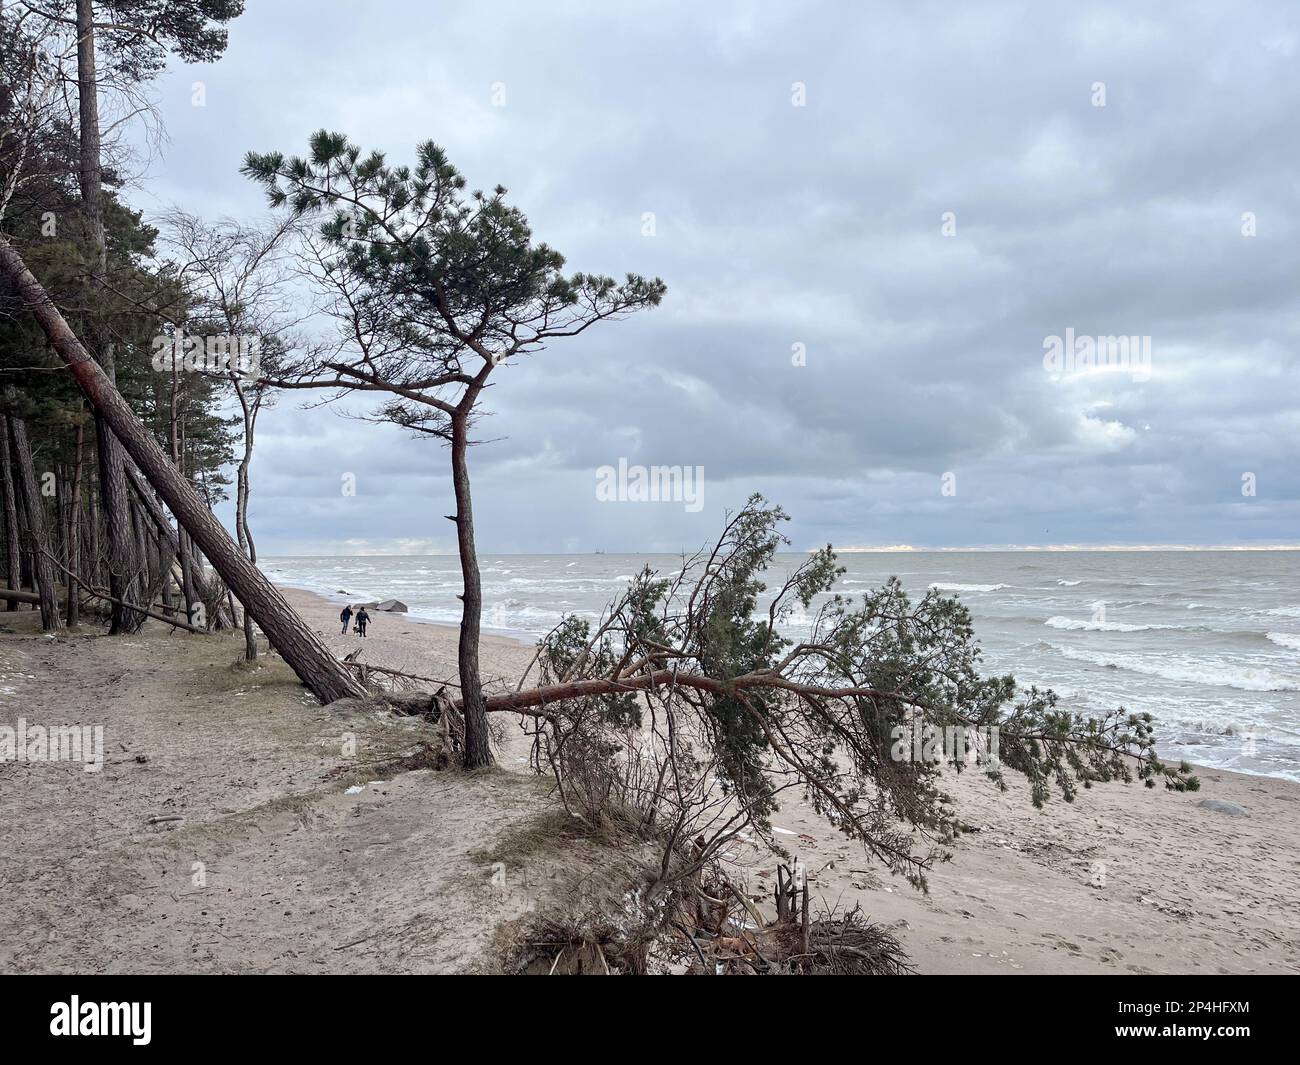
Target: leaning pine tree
{"x": 300, "y": 647}
{"x": 435, "y": 289}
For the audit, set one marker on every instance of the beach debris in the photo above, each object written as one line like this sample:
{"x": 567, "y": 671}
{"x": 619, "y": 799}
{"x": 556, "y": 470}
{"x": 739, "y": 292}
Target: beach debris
{"x": 704, "y": 932}
{"x": 1221, "y": 806}
{"x": 1168, "y": 908}
{"x": 167, "y": 817}
{"x": 356, "y": 789}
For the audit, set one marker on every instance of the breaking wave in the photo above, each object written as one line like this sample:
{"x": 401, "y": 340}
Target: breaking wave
{"x": 1193, "y": 671}
{"x": 1059, "y": 622}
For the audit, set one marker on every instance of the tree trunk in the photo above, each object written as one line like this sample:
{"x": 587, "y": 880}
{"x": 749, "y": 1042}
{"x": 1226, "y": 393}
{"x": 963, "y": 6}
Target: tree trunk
{"x": 189, "y": 590}
{"x": 42, "y": 567}
{"x": 74, "y": 528}
{"x": 122, "y": 563}
{"x": 92, "y": 531}
{"x": 327, "y": 678}
{"x": 13, "y": 549}
{"x": 164, "y": 535}
{"x": 478, "y": 748}
{"x": 241, "y": 503}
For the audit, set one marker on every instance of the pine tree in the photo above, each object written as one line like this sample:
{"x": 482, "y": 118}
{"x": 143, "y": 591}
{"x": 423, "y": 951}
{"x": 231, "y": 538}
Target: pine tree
{"x": 437, "y": 288}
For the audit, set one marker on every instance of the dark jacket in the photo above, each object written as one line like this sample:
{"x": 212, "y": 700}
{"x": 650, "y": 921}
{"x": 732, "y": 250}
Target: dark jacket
{"x": 347, "y": 613}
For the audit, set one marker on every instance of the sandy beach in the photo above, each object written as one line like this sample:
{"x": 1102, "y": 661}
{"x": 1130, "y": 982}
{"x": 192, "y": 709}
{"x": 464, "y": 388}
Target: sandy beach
{"x": 220, "y": 836}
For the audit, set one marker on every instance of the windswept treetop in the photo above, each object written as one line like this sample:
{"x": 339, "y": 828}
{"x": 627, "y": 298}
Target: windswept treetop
{"x": 440, "y": 284}
{"x": 137, "y": 35}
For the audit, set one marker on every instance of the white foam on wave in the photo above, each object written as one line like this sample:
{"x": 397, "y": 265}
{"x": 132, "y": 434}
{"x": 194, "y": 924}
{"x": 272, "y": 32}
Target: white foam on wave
{"x": 1059, "y": 622}
{"x": 1286, "y": 611}
{"x": 1069, "y": 584}
{"x": 1289, "y": 640}
{"x": 938, "y": 586}
{"x": 1193, "y": 671}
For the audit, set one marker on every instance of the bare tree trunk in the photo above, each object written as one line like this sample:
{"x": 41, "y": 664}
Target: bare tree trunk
{"x": 59, "y": 529}
{"x": 327, "y": 678}
{"x": 122, "y": 562}
{"x": 241, "y": 503}
{"x": 164, "y": 543}
{"x": 13, "y": 548}
{"x": 31, "y": 500}
{"x": 92, "y": 529}
{"x": 91, "y": 173}
{"x": 74, "y": 528}
{"x": 153, "y": 508}
{"x": 151, "y": 577}
{"x": 478, "y": 748}
{"x": 189, "y": 588}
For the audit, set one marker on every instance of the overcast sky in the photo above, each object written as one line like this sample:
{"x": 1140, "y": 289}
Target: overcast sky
{"x": 821, "y": 225}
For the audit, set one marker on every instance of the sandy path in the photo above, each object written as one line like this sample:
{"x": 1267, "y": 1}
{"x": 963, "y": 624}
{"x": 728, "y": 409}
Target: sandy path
{"x": 274, "y": 868}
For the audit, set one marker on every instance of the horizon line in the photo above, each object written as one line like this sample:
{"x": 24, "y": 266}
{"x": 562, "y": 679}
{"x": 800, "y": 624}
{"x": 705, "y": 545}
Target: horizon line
{"x": 894, "y": 549}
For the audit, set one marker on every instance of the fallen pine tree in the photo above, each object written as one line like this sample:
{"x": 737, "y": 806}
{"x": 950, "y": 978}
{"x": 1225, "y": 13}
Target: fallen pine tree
{"x": 688, "y": 710}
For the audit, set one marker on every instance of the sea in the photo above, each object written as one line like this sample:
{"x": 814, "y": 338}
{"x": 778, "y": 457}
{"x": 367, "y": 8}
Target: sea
{"x": 1206, "y": 641}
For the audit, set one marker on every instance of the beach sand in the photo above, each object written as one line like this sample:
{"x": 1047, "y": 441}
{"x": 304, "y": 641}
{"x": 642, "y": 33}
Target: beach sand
{"x": 274, "y": 867}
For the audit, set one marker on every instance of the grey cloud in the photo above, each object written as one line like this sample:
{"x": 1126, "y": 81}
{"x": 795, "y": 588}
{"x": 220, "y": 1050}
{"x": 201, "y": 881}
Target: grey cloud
{"x": 820, "y": 225}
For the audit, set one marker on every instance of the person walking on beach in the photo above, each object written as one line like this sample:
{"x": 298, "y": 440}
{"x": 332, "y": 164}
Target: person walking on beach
{"x": 363, "y": 619}
{"x": 345, "y": 617}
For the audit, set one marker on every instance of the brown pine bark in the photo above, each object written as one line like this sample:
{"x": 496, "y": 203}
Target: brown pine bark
{"x": 13, "y": 548}
{"x": 478, "y": 748}
{"x": 30, "y": 497}
{"x": 327, "y": 678}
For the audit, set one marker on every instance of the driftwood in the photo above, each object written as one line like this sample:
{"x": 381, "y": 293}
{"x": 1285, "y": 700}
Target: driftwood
{"x": 14, "y": 595}
{"x": 366, "y": 667}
